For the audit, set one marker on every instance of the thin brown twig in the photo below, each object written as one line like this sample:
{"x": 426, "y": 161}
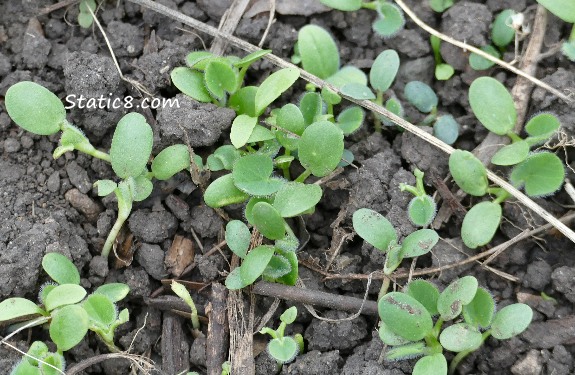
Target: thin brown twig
{"x": 51, "y": 8}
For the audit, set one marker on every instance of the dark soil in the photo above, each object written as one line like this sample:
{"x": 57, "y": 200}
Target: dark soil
{"x": 49, "y": 205}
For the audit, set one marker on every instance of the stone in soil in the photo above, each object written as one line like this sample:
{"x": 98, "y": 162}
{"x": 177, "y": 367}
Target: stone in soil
{"x": 151, "y": 257}
{"x": 316, "y": 363}
{"x": 153, "y": 227}
{"x": 342, "y": 335}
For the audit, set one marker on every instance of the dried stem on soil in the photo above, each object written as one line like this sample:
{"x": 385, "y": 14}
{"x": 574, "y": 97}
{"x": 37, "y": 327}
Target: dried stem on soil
{"x": 228, "y": 25}
{"x": 141, "y": 363}
{"x": 218, "y": 331}
{"x": 365, "y": 104}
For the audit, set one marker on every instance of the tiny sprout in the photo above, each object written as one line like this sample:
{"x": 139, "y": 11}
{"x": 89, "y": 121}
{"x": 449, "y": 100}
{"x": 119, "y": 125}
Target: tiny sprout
{"x": 183, "y": 293}
{"x": 39, "y": 360}
{"x": 284, "y": 348}
{"x": 422, "y": 207}
{"x": 407, "y": 324}
{"x": 85, "y": 18}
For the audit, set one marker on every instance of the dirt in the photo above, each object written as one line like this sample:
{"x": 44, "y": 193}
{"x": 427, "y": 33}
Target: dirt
{"x": 50, "y": 205}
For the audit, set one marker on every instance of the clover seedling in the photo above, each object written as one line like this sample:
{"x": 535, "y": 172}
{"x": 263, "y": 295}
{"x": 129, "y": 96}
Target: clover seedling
{"x": 564, "y": 9}
{"x": 407, "y": 323}
{"x": 40, "y": 361}
{"x": 443, "y": 71}
{"x": 284, "y": 348}
{"x": 440, "y": 6}
{"x": 422, "y": 207}
{"x": 379, "y": 232}
{"x": 36, "y": 109}
{"x": 67, "y": 311}
{"x": 85, "y": 18}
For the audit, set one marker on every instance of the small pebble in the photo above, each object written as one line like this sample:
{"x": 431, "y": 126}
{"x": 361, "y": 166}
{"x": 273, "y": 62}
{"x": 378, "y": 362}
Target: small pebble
{"x": 26, "y": 141}
{"x": 11, "y": 145}
{"x": 53, "y": 183}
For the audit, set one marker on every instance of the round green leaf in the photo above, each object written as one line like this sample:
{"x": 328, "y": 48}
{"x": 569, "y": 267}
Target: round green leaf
{"x": 424, "y": 292}
{"x": 278, "y": 266}
{"x": 468, "y": 172}
{"x": 405, "y": 316}
{"x": 252, "y": 175}
{"x": 242, "y": 128}
{"x": 384, "y": 70}
{"x": 35, "y": 108}
{"x": 446, "y": 129}
{"x": 238, "y": 237}
{"x": 460, "y": 337}
{"x": 421, "y": 96}
{"x": 479, "y": 312}
{"x": 458, "y": 293}
{"x": 294, "y": 198}
{"x": 283, "y": 349}
{"x": 234, "y": 280}
{"x": 68, "y": 327}
{"x": 273, "y": 87}
{"x": 374, "y": 228}
{"x": 291, "y": 122}
{"x": 440, "y": 6}
{"x": 114, "y": 291}
{"x": 511, "y": 154}
{"x": 511, "y": 321}
{"x": 435, "y": 364}
{"x": 223, "y": 192}
{"x": 389, "y": 337}
{"x": 243, "y": 101}
{"x": 251, "y": 203}
{"x": 422, "y": 210}
{"x": 141, "y": 187}
{"x": 357, "y": 91}
{"x": 542, "y": 125}
{"x": 311, "y": 106}
{"x": 391, "y": 20}
{"x": 17, "y": 307}
{"x": 480, "y": 224}
{"x": 564, "y": 9}
{"x": 289, "y": 316}
{"x": 318, "y": 51}
{"x": 443, "y": 72}
{"x": 170, "y": 161}
{"x": 347, "y": 74}
{"x": 350, "y": 119}
{"x": 418, "y": 243}
{"x": 105, "y": 187}
{"x": 541, "y": 173}
{"x": 268, "y": 221}
{"x": 101, "y": 310}
{"x": 60, "y": 269}
{"x": 321, "y": 148}
{"x": 255, "y": 263}
{"x": 220, "y": 78}
{"x": 493, "y": 105}
{"x": 481, "y": 63}
{"x": 131, "y": 145}
{"x": 191, "y": 83}
{"x": 66, "y": 294}
{"x": 501, "y": 31}
{"x": 344, "y": 5}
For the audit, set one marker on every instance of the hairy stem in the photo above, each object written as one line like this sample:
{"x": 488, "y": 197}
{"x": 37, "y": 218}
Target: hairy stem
{"x": 461, "y": 355}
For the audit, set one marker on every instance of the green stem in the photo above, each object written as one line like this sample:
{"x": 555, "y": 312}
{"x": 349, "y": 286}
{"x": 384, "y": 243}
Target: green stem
{"x": 303, "y": 176}
{"x": 330, "y": 111}
{"x": 419, "y": 181}
{"x": 371, "y": 5}
{"x": 384, "y": 287}
{"x": 572, "y": 35}
{"x": 514, "y": 137}
{"x": 124, "y": 208}
{"x": 461, "y": 355}
{"x": 411, "y": 189}
{"x": 433, "y": 344}
{"x": 500, "y": 194}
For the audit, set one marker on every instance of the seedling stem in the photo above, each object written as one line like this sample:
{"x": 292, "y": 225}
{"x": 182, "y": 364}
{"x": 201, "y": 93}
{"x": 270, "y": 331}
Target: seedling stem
{"x": 461, "y": 355}
{"x": 303, "y": 176}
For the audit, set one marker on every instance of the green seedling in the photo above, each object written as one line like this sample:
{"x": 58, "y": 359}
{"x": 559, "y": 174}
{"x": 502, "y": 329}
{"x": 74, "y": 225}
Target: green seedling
{"x": 284, "y": 348}
{"x": 564, "y": 9}
{"x": 375, "y": 229}
{"x": 539, "y": 173}
{"x": 37, "y": 110}
{"x": 85, "y": 18}
{"x": 407, "y": 323}
{"x": 440, "y": 6}
{"x": 422, "y": 97}
{"x": 40, "y": 361}
{"x": 422, "y": 207}
{"x": 390, "y": 17}
{"x": 183, "y": 293}
{"x": 443, "y": 71}
{"x": 67, "y": 310}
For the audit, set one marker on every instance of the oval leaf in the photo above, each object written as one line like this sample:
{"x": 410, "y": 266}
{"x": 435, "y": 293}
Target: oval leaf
{"x": 68, "y": 327}
{"x": 101, "y": 310}
{"x": 541, "y": 174}
{"x": 493, "y": 105}
{"x": 478, "y": 62}
{"x": 480, "y": 224}
{"x": 424, "y": 292}
{"x": 321, "y": 148}
{"x": 542, "y": 125}
{"x": 278, "y": 266}
{"x": 268, "y": 221}
{"x": 238, "y": 237}
{"x": 252, "y": 175}
{"x": 564, "y": 9}
{"x": 405, "y": 316}
{"x": 479, "y": 312}
{"x": 421, "y": 96}
{"x": 422, "y": 210}
{"x": 273, "y": 87}
{"x": 105, "y": 187}
{"x": 468, "y": 172}
{"x": 501, "y": 32}
{"x": 60, "y": 269}
{"x": 511, "y": 321}
{"x": 418, "y": 243}
{"x": 318, "y": 51}
{"x": 294, "y": 198}
{"x": 220, "y": 78}
{"x": 114, "y": 291}
{"x": 357, "y": 91}
{"x": 131, "y": 145}
{"x": 17, "y": 307}
{"x": 35, "y": 108}
{"x": 283, "y": 349}
{"x": 511, "y": 154}
{"x": 344, "y": 5}
{"x": 374, "y": 228}
{"x": 350, "y": 119}
{"x": 255, "y": 263}
{"x": 252, "y": 57}
{"x": 191, "y": 83}
{"x": 458, "y": 293}
{"x": 66, "y": 294}
{"x": 431, "y": 365}
{"x": 460, "y": 337}
{"x": 223, "y": 192}
{"x": 384, "y": 70}
{"x": 446, "y": 129}
{"x": 242, "y": 128}
{"x": 170, "y": 161}
{"x": 391, "y": 20}
{"x": 234, "y": 280}
{"x": 389, "y": 337}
